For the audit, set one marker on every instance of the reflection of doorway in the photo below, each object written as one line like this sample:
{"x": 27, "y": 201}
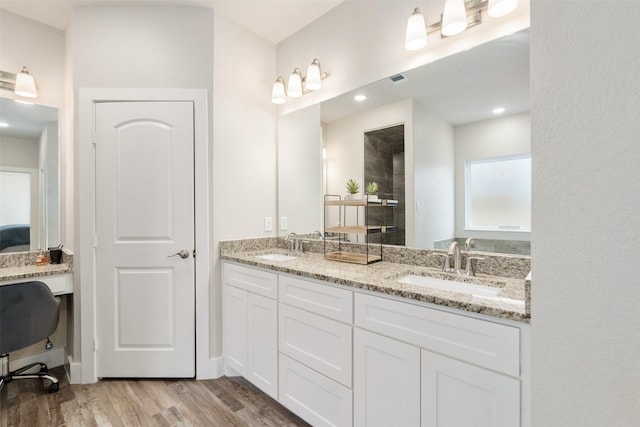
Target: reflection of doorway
{"x": 19, "y": 209}
{"x": 384, "y": 164}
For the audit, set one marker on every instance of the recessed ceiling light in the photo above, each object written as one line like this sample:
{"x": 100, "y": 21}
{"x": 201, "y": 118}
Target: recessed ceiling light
{"x": 498, "y": 110}
{"x": 4, "y": 125}
{"x": 360, "y": 98}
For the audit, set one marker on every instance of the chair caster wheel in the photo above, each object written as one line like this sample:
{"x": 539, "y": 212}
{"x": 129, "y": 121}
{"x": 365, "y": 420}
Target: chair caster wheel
{"x": 54, "y": 387}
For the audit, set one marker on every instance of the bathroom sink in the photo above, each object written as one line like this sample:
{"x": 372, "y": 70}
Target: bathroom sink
{"x": 276, "y": 257}
{"x": 449, "y": 285}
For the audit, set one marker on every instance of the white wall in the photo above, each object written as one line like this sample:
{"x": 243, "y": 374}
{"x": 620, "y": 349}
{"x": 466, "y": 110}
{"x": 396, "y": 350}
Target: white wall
{"x": 497, "y": 137}
{"x": 433, "y": 162}
{"x": 19, "y": 152}
{"x": 244, "y": 144}
{"x": 585, "y": 317}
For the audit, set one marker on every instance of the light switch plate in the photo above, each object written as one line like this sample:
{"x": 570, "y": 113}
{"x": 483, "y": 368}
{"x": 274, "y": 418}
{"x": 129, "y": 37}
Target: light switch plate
{"x": 268, "y": 223}
{"x": 283, "y": 223}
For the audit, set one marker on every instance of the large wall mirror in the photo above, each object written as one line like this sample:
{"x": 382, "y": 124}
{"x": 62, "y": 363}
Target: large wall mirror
{"x": 29, "y": 177}
{"x": 441, "y": 120}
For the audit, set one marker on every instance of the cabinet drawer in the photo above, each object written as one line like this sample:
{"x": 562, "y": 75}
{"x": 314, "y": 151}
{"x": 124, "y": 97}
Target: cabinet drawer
{"x": 312, "y": 396}
{"x": 479, "y": 342}
{"x": 251, "y": 279}
{"x": 317, "y": 298}
{"x": 320, "y": 343}
{"x": 60, "y": 284}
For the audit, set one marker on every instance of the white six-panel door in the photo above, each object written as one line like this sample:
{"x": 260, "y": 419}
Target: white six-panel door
{"x": 145, "y": 304}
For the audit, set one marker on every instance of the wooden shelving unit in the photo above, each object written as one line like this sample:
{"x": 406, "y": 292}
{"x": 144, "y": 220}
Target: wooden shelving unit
{"x": 371, "y": 206}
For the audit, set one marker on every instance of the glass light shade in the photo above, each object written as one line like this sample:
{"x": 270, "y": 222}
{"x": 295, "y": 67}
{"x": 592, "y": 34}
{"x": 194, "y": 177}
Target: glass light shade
{"x": 25, "y": 84}
{"x": 295, "y": 84}
{"x": 498, "y": 8}
{"x": 313, "y": 80}
{"x": 454, "y": 18}
{"x": 416, "y": 37}
{"x": 278, "y": 95}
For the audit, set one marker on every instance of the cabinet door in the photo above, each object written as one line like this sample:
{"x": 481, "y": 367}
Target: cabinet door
{"x": 456, "y": 394}
{"x": 262, "y": 355}
{"x": 386, "y": 389}
{"x": 234, "y": 321}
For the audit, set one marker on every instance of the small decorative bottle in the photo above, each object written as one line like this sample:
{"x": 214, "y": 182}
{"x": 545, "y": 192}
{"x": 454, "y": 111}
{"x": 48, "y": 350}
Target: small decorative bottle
{"x": 41, "y": 259}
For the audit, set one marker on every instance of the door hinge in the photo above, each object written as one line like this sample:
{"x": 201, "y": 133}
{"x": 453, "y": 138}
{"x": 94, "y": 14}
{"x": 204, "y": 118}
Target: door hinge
{"x": 194, "y": 253}
{"x": 94, "y": 137}
{"x": 95, "y": 240}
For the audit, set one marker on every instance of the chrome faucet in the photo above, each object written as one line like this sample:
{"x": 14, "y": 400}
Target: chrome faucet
{"x": 454, "y": 250}
{"x": 316, "y": 233}
{"x": 295, "y": 242}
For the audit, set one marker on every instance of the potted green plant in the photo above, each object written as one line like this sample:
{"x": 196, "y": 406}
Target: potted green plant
{"x": 352, "y": 188}
{"x": 372, "y": 191}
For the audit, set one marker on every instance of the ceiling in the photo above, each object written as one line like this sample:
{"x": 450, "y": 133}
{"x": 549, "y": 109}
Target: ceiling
{"x": 24, "y": 120}
{"x": 461, "y": 88}
{"x": 273, "y": 20}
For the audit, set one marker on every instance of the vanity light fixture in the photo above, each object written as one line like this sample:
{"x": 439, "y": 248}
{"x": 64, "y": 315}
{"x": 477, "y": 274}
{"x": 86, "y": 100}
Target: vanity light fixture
{"x": 498, "y": 110}
{"x": 456, "y": 17}
{"x": 23, "y": 83}
{"x": 416, "y": 37}
{"x": 298, "y": 85}
{"x": 278, "y": 95}
{"x": 360, "y": 98}
{"x": 295, "y": 84}
{"x": 313, "y": 81}
{"x": 4, "y": 125}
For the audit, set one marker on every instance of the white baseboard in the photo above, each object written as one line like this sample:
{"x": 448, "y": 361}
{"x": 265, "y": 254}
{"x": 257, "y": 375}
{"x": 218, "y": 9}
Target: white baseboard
{"x": 74, "y": 370}
{"x": 210, "y": 369}
{"x": 52, "y": 358}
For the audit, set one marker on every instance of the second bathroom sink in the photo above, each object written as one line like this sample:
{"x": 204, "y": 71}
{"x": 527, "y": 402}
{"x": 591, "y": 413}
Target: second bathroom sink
{"x": 449, "y": 285}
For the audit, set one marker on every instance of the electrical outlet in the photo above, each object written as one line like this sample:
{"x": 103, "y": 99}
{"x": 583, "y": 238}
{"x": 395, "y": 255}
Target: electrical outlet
{"x": 268, "y": 223}
{"x": 283, "y": 223}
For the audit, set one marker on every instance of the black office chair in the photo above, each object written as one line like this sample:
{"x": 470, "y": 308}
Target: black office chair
{"x": 28, "y": 314}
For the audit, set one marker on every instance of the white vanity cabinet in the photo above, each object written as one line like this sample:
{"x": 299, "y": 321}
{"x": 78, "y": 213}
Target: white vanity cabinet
{"x": 315, "y": 343}
{"x": 341, "y": 357}
{"x": 457, "y": 371}
{"x": 250, "y": 325}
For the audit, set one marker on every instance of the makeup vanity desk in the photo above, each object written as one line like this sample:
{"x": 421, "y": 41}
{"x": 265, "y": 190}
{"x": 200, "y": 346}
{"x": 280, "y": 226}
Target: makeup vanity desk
{"x": 58, "y": 277}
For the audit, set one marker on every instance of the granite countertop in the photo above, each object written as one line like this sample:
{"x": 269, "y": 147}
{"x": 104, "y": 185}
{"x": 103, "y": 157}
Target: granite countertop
{"x": 32, "y": 271}
{"x": 381, "y": 277}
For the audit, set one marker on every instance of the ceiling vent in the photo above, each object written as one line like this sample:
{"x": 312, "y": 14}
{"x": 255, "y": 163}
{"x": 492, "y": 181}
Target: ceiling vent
{"x": 397, "y": 79}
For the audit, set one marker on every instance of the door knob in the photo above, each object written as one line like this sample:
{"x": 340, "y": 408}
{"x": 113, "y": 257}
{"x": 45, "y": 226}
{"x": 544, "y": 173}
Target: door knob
{"x": 182, "y": 254}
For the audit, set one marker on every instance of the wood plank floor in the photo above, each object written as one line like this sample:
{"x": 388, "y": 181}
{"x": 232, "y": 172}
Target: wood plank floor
{"x": 226, "y": 401}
